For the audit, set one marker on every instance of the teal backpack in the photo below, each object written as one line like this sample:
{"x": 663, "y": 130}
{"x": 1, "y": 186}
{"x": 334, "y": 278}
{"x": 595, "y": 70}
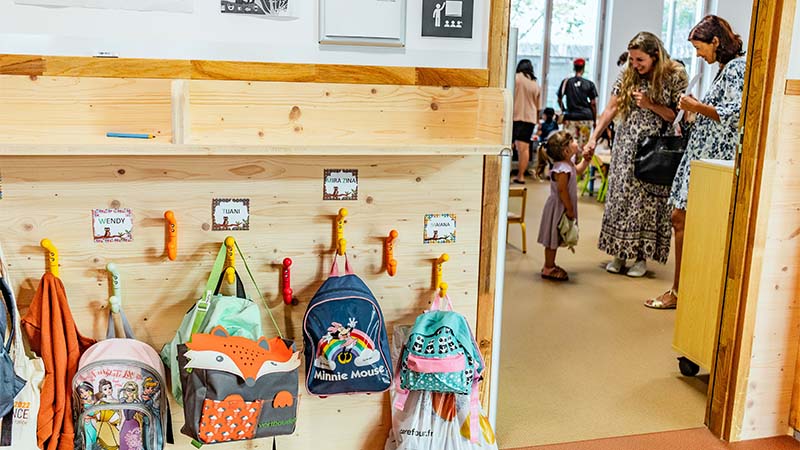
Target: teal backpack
{"x": 441, "y": 355}
{"x": 239, "y": 315}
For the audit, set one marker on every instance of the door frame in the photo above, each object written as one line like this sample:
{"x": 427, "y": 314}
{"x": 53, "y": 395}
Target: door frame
{"x": 767, "y": 62}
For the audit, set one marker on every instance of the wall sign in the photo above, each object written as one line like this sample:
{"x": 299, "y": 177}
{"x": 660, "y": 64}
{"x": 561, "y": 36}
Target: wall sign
{"x": 112, "y": 225}
{"x": 363, "y": 22}
{"x": 447, "y": 18}
{"x": 230, "y": 214}
{"x": 185, "y": 6}
{"x": 270, "y": 8}
{"x": 340, "y": 184}
{"x": 439, "y": 229}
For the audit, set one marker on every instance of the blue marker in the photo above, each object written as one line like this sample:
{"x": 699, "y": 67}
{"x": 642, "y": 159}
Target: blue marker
{"x": 131, "y": 135}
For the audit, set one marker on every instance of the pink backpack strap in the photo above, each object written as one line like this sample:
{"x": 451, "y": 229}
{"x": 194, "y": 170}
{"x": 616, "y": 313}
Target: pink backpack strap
{"x": 401, "y": 395}
{"x": 437, "y": 304}
{"x": 348, "y": 270}
{"x": 474, "y": 413}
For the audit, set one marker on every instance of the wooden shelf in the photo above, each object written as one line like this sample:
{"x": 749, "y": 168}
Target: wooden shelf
{"x": 158, "y": 149}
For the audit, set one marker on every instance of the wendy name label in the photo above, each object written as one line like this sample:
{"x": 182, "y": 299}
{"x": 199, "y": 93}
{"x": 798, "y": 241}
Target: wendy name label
{"x": 112, "y": 225}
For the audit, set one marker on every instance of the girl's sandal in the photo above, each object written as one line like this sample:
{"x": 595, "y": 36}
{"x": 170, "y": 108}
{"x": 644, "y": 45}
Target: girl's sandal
{"x": 663, "y": 301}
{"x": 555, "y": 274}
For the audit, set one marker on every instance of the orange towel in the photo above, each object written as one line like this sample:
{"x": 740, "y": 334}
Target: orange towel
{"x": 53, "y": 335}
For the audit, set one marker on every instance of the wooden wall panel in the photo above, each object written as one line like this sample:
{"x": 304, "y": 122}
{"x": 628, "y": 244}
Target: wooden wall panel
{"x": 53, "y": 197}
{"x": 47, "y": 110}
{"x": 238, "y": 112}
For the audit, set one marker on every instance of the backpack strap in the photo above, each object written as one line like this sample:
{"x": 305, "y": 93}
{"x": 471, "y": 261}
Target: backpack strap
{"x": 475, "y": 412}
{"x": 111, "y": 332}
{"x": 401, "y": 395}
{"x": 348, "y": 270}
{"x": 204, "y": 303}
{"x": 260, "y": 295}
{"x": 7, "y": 313}
{"x": 437, "y": 303}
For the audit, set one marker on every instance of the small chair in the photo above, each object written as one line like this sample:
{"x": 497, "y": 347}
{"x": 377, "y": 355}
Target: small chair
{"x": 519, "y": 218}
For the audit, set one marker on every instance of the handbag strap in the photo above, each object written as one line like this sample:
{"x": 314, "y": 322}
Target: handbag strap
{"x": 202, "y": 306}
{"x": 260, "y": 295}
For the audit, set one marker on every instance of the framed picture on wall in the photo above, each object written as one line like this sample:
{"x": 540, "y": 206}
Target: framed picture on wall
{"x": 363, "y": 22}
{"x": 184, "y": 6}
{"x": 264, "y": 8}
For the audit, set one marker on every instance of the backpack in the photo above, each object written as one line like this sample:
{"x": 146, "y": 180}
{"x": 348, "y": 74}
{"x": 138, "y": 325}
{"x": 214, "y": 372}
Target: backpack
{"x": 236, "y": 388}
{"x": 118, "y": 395}
{"x": 238, "y": 314}
{"x": 346, "y": 345}
{"x": 441, "y": 355}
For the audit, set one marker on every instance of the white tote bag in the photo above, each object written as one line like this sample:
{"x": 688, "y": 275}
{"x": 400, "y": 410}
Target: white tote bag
{"x": 432, "y": 421}
{"x": 26, "y": 403}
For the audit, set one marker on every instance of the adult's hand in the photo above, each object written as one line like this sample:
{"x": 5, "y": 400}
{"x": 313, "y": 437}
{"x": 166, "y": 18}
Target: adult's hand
{"x": 689, "y": 103}
{"x": 589, "y": 147}
{"x": 642, "y": 100}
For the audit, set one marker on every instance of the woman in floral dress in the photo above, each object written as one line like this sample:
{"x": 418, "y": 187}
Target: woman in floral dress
{"x": 636, "y": 222}
{"x": 714, "y": 135}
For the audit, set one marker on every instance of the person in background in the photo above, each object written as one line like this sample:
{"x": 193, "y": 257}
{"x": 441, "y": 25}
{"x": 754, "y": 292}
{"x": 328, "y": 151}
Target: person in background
{"x": 527, "y": 98}
{"x": 580, "y": 114}
{"x": 714, "y": 134}
{"x": 623, "y": 59}
{"x": 636, "y": 222}
{"x": 546, "y": 128}
{"x": 563, "y": 199}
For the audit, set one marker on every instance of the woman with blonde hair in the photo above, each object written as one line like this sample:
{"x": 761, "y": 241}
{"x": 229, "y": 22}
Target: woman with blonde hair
{"x": 636, "y": 223}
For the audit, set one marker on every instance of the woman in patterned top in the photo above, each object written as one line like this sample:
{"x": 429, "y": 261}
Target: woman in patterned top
{"x": 714, "y": 135}
{"x": 636, "y": 223}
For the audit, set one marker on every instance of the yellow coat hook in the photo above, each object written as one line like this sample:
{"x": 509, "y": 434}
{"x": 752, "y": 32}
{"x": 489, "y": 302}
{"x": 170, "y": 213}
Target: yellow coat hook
{"x": 441, "y": 285}
{"x": 341, "y": 242}
{"x": 230, "y": 260}
{"x": 52, "y": 256}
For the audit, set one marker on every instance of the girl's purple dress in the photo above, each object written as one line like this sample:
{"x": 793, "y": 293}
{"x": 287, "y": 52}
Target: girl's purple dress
{"x": 553, "y": 208}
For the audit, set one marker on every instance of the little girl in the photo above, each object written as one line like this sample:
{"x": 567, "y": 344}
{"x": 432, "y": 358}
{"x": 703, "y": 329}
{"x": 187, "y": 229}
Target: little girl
{"x": 561, "y": 148}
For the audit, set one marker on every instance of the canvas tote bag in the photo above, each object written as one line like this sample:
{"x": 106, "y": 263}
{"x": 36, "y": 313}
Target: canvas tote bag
{"x": 31, "y": 369}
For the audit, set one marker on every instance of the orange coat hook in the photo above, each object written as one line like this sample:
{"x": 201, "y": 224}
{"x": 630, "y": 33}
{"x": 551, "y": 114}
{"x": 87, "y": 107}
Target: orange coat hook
{"x": 391, "y": 263}
{"x": 172, "y": 235}
{"x": 341, "y": 242}
{"x": 52, "y": 256}
{"x": 441, "y": 285}
{"x": 230, "y": 259}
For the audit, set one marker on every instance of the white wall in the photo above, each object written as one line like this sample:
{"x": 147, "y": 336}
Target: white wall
{"x": 625, "y": 18}
{"x": 794, "y": 61}
{"x": 207, "y": 34}
{"x": 738, "y": 13}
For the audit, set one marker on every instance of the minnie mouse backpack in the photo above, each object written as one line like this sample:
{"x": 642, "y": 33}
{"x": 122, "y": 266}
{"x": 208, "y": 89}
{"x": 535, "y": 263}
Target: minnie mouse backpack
{"x": 346, "y": 345}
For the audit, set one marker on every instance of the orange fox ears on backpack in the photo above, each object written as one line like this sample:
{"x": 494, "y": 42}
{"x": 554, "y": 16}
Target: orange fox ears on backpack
{"x": 275, "y": 345}
{"x": 220, "y": 331}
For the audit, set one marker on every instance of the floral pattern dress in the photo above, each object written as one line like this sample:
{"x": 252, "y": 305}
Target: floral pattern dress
{"x": 636, "y": 222}
{"x": 711, "y": 139}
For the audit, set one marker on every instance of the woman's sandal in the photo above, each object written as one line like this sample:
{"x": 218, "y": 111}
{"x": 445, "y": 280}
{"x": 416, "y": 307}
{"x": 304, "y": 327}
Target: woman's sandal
{"x": 555, "y": 274}
{"x": 661, "y": 303}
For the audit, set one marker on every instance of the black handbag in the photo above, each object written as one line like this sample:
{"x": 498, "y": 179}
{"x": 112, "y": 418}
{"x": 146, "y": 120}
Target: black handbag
{"x": 658, "y": 157}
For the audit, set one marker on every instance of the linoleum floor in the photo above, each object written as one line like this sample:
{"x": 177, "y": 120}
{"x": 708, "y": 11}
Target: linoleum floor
{"x": 584, "y": 359}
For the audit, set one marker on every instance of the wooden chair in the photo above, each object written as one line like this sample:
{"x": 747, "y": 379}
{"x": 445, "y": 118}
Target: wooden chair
{"x": 519, "y": 218}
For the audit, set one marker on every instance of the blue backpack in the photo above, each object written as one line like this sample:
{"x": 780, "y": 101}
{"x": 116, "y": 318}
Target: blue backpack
{"x": 346, "y": 345}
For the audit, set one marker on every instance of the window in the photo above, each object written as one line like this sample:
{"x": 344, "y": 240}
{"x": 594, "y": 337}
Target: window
{"x": 680, "y": 16}
{"x": 570, "y": 33}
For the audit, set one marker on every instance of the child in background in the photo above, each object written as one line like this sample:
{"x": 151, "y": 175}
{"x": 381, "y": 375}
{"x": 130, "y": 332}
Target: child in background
{"x": 548, "y": 126}
{"x": 563, "y": 200}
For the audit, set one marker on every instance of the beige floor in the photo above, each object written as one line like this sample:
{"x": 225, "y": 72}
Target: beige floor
{"x": 584, "y": 359}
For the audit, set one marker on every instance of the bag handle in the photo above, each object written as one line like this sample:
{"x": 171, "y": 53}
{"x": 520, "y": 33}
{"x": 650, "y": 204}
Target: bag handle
{"x": 348, "y": 270}
{"x": 111, "y": 332}
{"x": 260, "y": 295}
{"x": 7, "y": 314}
{"x": 441, "y": 304}
{"x": 201, "y": 308}
{"x": 239, "y": 285}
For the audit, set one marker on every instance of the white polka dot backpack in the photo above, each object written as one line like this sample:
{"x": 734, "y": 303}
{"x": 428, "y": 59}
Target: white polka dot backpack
{"x": 441, "y": 355}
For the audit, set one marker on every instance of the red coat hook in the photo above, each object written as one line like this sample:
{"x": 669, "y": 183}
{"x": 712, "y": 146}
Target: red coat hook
{"x": 287, "y": 283}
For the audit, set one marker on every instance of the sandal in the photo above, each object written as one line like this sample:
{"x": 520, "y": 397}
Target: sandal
{"x": 555, "y": 274}
{"x": 661, "y": 303}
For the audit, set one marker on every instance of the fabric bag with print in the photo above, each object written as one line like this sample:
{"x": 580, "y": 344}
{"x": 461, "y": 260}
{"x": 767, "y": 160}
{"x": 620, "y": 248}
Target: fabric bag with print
{"x": 18, "y": 429}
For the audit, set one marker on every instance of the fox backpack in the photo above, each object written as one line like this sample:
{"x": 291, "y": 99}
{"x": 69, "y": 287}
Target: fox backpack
{"x": 346, "y": 346}
{"x": 238, "y": 314}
